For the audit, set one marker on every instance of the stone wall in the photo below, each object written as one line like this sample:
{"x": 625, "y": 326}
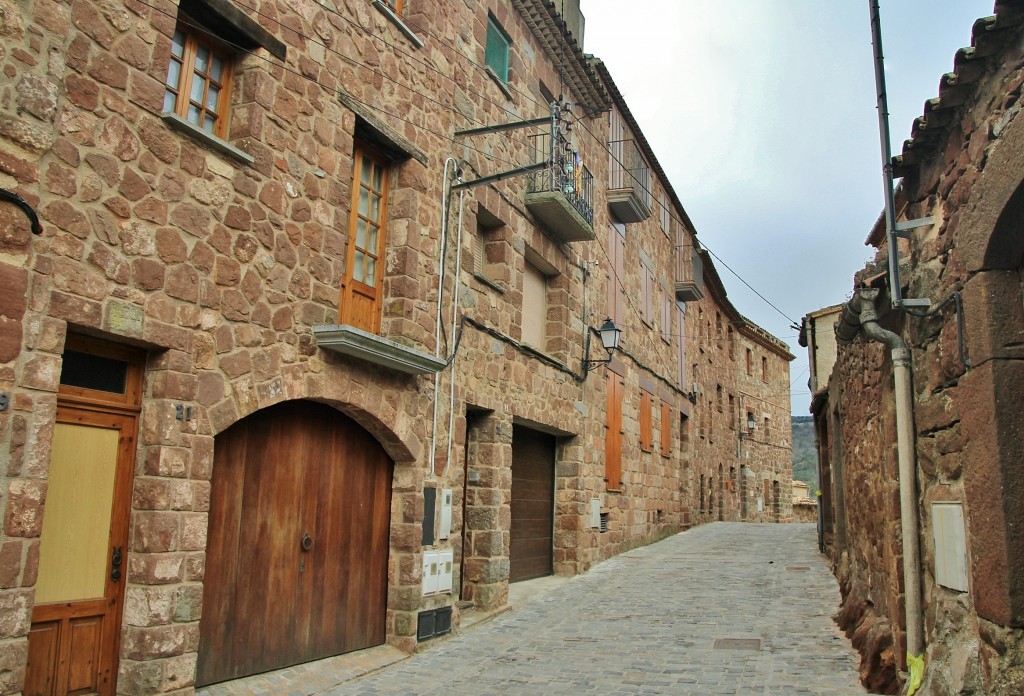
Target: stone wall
{"x": 218, "y": 258}
{"x": 968, "y": 176}
{"x": 738, "y": 474}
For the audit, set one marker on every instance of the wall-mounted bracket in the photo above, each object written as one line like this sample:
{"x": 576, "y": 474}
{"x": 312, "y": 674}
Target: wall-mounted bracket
{"x": 903, "y": 228}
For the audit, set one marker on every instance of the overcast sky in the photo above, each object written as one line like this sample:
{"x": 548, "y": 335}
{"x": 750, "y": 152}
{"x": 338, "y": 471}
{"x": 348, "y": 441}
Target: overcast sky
{"x": 762, "y": 113}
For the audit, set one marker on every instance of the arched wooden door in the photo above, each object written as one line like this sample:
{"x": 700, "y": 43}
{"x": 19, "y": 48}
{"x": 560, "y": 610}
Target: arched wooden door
{"x": 297, "y": 554}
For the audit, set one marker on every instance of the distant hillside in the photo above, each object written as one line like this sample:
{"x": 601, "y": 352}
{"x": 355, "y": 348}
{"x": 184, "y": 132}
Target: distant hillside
{"x": 805, "y": 461}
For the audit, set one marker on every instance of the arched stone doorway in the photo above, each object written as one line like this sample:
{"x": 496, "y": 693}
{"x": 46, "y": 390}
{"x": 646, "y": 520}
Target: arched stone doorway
{"x": 297, "y": 551}
{"x": 992, "y": 248}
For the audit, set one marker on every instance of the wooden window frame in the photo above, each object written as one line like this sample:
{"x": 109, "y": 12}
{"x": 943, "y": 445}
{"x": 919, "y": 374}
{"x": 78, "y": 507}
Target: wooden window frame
{"x": 750, "y": 362}
{"x": 195, "y": 38}
{"x": 350, "y": 286}
{"x": 498, "y": 33}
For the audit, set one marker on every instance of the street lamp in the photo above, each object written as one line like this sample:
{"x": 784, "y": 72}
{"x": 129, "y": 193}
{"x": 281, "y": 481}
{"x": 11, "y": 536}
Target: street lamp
{"x": 610, "y": 335}
{"x": 751, "y": 426}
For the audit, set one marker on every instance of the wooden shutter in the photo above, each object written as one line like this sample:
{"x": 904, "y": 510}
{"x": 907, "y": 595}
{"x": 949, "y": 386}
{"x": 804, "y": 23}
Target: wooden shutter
{"x": 681, "y": 344}
{"x": 648, "y": 288}
{"x": 616, "y": 272}
{"x": 534, "y": 306}
{"x": 613, "y": 432}
{"x": 646, "y": 431}
{"x": 666, "y": 315}
{"x": 666, "y": 429}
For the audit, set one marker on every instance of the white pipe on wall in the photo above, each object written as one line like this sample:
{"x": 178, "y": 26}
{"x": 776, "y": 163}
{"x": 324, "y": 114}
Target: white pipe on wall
{"x": 440, "y": 294}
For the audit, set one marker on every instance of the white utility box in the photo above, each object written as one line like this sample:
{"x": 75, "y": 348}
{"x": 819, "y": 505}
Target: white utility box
{"x": 445, "y": 528}
{"x": 444, "y": 570}
{"x": 430, "y": 572}
{"x": 950, "y": 546}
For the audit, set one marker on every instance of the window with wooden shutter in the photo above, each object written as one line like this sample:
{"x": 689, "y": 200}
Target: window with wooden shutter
{"x": 666, "y": 213}
{"x": 646, "y": 429}
{"x": 534, "y": 310}
{"x": 681, "y": 344}
{"x": 613, "y": 432}
{"x": 647, "y": 291}
{"x": 616, "y": 299}
{"x": 367, "y": 236}
{"x": 666, "y": 429}
{"x": 667, "y": 305}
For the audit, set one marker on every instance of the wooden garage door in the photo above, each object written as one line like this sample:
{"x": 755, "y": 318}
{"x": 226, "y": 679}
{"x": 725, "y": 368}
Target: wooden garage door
{"x": 297, "y": 555}
{"x": 533, "y": 503}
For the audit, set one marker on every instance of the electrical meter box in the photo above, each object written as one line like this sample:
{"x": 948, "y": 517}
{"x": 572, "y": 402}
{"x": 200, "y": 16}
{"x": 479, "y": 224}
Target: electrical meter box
{"x": 430, "y": 572}
{"x": 444, "y": 571}
{"x": 445, "y": 527}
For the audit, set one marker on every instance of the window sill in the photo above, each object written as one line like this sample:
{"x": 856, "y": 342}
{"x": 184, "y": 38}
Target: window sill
{"x": 190, "y": 129}
{"x": 360, "y": 344}
{"x": 502, "y": 85}
{"x": 386, "y": 10}
{"x": 489, "y": 283}
{"x": 537, "y": 352}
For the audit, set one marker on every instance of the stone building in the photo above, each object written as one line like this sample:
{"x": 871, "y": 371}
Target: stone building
{"x": 314, "y": 317}
{"x": 818, "y": 336}
{"x": 962, "y": 179}
{"x": 741, "y": 443}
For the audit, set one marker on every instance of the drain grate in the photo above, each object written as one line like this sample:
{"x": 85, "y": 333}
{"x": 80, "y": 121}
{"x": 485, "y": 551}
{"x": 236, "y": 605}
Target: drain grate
{"x": 737, "y": 643}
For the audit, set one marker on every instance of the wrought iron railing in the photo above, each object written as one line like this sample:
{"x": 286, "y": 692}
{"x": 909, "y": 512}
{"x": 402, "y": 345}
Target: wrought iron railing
{"x": 689, "y": 281}
{"x": 565, "y": 174}
{"x": 627, "y": 169}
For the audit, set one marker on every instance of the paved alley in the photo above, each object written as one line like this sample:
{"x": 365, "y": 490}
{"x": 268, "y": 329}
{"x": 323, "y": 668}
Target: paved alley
{"x": 679, "y": 617}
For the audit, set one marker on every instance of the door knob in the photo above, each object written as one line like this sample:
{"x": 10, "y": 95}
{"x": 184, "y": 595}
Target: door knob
{"x": 307, "y": 541}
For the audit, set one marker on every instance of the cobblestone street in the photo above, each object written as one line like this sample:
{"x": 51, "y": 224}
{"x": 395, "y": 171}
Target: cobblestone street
{"x": 683, "y": 616}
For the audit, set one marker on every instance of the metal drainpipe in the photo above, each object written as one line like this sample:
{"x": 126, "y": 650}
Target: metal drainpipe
{"x": 860, "y": 314}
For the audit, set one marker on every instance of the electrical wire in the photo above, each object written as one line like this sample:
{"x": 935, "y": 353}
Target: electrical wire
{"x": 601, "y": 145}
{"x": 487, "y": 155}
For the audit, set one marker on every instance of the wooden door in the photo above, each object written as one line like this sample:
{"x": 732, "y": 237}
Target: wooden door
{"x": 367, "y": 239}
{"x": 533, "y": 504}
{"x": 297, "y": 553}
{"x": 79, "y": 595}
